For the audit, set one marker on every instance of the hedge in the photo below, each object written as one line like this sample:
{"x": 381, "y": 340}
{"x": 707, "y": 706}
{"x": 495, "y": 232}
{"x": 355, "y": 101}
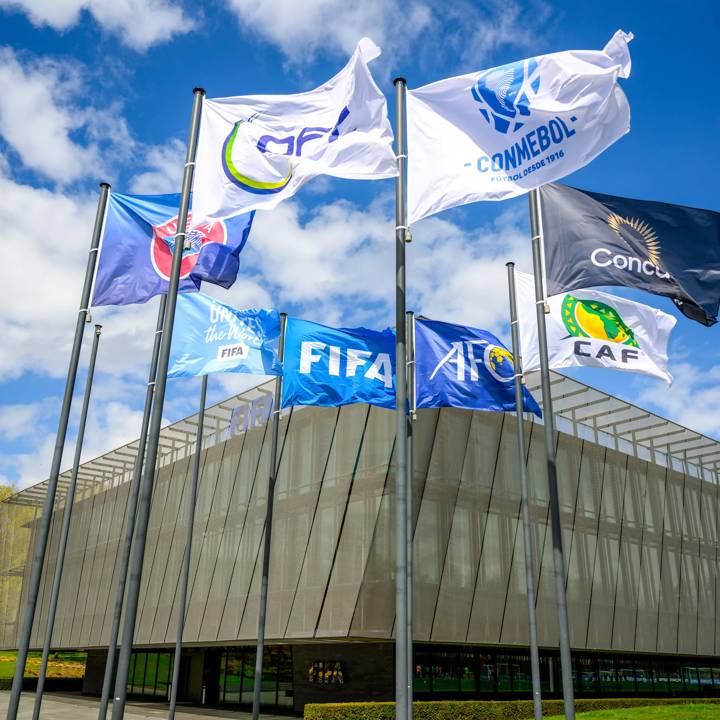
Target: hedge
{"x": 479, "y": 709}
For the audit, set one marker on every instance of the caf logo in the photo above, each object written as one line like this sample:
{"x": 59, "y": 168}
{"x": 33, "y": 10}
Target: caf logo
{"x": 593, "y": 319}
{"x": 502, "y": 94}
{"x": 163, "y": 244}
{"x": 499, "y": 363}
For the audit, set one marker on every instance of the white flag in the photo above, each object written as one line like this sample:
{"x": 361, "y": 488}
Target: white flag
{"x": 498, "y": 133}
{"x": 595, "y": 329}
{"x": 257, "y": 150}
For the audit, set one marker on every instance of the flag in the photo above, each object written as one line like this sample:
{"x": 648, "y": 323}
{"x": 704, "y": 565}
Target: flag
{"x": 257, "y": 150}
{"x": 594, "y": 329}
{"x": 592, "y": 239}
{"x": 137, "y": 247}
{"x": 330, "y": 367}
{"x": 210, "y": 336}
{"x": 498, "y": 133}
{"x": 459, "y": 366}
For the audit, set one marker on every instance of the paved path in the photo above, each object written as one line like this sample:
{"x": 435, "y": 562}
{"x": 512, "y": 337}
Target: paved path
{"x": 58, "y": 706}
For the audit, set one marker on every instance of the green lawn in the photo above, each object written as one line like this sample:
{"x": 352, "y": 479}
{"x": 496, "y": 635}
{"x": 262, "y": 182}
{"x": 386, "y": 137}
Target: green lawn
{"x": 660, "y": 712}
{"x": 61, "y": 664}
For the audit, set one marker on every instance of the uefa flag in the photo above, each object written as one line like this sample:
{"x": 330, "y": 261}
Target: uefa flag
{"x": 498, "y": 133}
{"x": 330, "y": 367}
{"x": 459, "y": 366}
{"x": 595, "y": 329}
{"x": 209, "y": 337}
{"x": 257, "y": 150}
{"x": 137, "y": 248}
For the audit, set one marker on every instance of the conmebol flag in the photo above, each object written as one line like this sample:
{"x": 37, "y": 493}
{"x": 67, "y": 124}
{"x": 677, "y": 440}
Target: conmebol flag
{"x": 595, "y": 329}
{"x": 330, "y": 367}
{"x": 137, "y": 246}
{"x": 672, "y": 250}
{"x": 210, "y": 337}
{"x": 498, "y": 133}
{"x": 257, "y": 150}
{"x": 459, "y": 366}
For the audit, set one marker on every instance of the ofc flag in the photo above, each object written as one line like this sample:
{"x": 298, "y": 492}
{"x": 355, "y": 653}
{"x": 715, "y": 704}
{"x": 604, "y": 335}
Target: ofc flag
{"x": 498, "y": 133}
{"x": 137, "y": 247}
{"x": 210, "y": 336}
{"x": 464, "y": 367}
{"x": 257, "y": 150}
{"x": 594, "y": 329}
{"x": 592, "y": 239}
{"x": 329, "y": 367}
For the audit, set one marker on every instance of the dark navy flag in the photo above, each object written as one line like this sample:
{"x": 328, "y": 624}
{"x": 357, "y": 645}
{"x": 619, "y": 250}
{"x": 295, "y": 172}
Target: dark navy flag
{"x": 463, "y": 367}
{"x": 329, "y": 367}
{"x": 137, "y": 246}
{"x": 592, "y": 239}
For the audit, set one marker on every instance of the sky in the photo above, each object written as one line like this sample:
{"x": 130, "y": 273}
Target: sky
{"x": 101, "y": 90}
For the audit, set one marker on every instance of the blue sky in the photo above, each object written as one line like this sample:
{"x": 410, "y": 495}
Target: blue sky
{"x": 101, "y": 90}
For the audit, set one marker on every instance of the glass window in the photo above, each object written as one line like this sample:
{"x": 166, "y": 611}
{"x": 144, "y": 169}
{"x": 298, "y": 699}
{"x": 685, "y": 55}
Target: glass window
{"x": 690, "y": 675}
{"x": 468, "y": 679}
{"x": 521, "y": 674}
{"x": 445, "y": 671}
{"x": 625, "y": 674}
{"x": 138, "y": 676}
{"x": 606, "y": 675}
{"x": 164, "y": 674}
{"x": 644, "y": 676}
{"x": 150, "y": 674}
{"x": 487, "y": 673}
{"x": 588, "y": 674}
{"x": 660, "y": 676}
{"x": 705, "y": 677}
{"x": 421, "y": 673}
{"x": 285, "y": 676}
{"x": 675, "y": 677}
{"x": 231, "y": 677}
{"x": 504, "y": 673}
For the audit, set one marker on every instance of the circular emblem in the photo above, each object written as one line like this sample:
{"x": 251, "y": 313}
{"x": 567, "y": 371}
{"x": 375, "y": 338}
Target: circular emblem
{"x": 499, "y": 363}
{"x": 163, "y": 244}
{"x": 593, "y": 319}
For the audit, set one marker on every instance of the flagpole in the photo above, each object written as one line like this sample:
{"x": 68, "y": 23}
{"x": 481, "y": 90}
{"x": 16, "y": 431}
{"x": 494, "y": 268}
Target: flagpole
{"x": 188, "y": 550}
{"x": 525, "y": 497}
{"x": 65, "y": 529}
{"x": 44, "y": 529}
{"x": 401, "y": 430}
{"x": 549, "y": 426}
{"x": 153, "y": 441}
{"x": 132, "y": 507}
{"x": 262, "y": 611}
{"x": 410, "y": 334}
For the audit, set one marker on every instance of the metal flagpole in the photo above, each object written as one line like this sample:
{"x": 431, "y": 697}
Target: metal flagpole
{"x": 401, "y": 577}
{"x": 525, "y": 497}
{"x": 132, "y": 507}
{"x": 65, "y": 529}
{"x": 549, "y": 425}
{"x": 153, "y": 441}
{"x": 262, "y": 611}
{"x": 188, "y": 550}
{"x": 410, "y": 334}
{"x": 44, "y": 528}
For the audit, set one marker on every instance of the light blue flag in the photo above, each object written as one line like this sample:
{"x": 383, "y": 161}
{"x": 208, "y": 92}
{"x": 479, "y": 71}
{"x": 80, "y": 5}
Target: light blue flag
{"x": 329, "y": 367}
{"x": 210, "y": 337}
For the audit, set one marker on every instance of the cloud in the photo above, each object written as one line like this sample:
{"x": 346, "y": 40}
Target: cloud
{"x": 139, "y": 24}
{"x": 164, "y": 173}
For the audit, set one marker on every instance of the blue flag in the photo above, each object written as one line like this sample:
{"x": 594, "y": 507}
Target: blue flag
{"x": 210, "y": 336}
{"x": 137, "y": 246}
{"x": 330, "y": 367}
{"x": 459, "y": 366}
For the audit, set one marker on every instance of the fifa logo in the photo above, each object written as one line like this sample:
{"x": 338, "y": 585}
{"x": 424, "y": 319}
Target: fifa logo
{"x": 502, "y": 94}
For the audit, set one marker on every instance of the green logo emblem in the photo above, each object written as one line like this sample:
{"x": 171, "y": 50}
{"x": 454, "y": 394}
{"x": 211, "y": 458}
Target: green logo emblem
{"x": 593, "y": 319}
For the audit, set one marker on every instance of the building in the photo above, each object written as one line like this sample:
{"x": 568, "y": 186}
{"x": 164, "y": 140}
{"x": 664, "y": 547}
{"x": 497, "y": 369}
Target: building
{"x": 639, "y": 504}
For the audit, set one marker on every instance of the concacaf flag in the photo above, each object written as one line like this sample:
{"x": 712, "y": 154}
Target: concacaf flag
{"x": 498, "y": 133}
{"x": 257, "y": 150}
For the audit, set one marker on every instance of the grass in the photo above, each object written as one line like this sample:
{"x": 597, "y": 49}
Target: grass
{"x": 60, "y": 665}
{"x": 659, "y": 712}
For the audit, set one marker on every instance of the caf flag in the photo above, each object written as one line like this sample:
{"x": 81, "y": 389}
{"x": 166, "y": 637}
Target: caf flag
{"x": 257, "y": 150}
{"x": 592, "y": 239}
{"x": 464, "y": 367}
{"x": 210, "y": 336}
{"x": 594, "y": 329}
{"x": 137, "y": 248}
{"x": 498, "y": 133}
{"x": 330, "y": 367}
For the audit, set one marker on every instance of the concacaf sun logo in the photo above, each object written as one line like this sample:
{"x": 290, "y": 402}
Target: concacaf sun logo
{"x": 593, "y": 319}
{"x": 499, "y": 363}
{"x": 638, "y": 230}
{"x": 503, "y": 94}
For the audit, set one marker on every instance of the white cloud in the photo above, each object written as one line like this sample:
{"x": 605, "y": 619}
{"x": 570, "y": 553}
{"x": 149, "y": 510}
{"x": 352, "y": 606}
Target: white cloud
{"x": 138, "y": 23}
{"x": 164, "y": 173}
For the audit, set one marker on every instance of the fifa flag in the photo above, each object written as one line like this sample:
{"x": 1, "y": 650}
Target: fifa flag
{"x": 257, "y": 150}
{"x": 330, "y": 367}
{"x": 211, "y": 337}
{"x": 463, "y": 367}
{"x": 137, "y": 247}
{"x": 498, "y": 133}
{"x": 594, "y": 329}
